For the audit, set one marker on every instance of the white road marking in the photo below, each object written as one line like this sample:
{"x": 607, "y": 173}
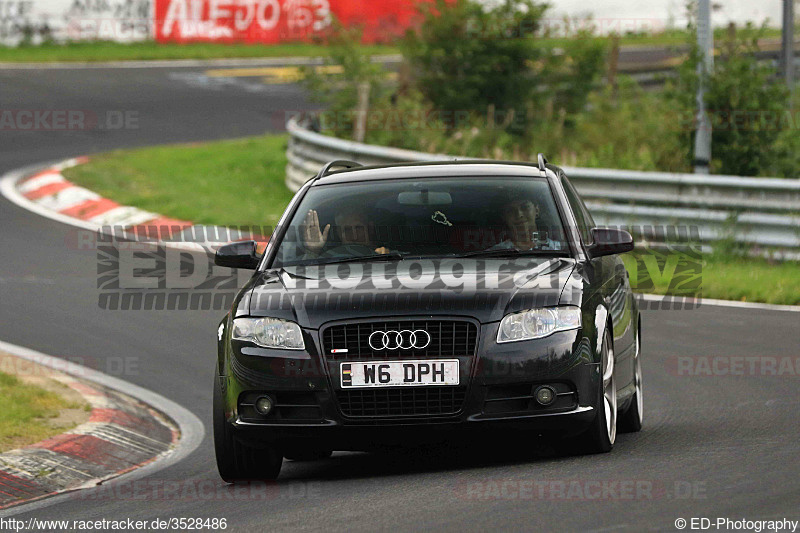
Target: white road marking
{"x": 699, "y": 302}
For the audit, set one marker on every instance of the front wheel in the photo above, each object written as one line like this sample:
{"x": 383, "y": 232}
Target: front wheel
{"x": 600, "y": 437}
{"x": 631, "y": 420}
{"x": 237, "y": 461}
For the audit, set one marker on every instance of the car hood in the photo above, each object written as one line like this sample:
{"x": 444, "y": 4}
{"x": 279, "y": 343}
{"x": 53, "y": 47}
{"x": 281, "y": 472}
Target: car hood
{"x": 482, "y": 289}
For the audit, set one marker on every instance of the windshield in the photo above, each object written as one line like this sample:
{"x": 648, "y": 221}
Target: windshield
{"x": 434, "y": 217}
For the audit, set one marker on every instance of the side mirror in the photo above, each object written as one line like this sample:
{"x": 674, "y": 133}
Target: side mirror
{"x": 237, "y": 255}
{"x": 610, "y": 241}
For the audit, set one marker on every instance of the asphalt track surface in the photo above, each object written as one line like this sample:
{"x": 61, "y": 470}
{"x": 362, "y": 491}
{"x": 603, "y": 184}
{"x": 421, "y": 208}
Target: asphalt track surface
{"x": 712, "y": 446}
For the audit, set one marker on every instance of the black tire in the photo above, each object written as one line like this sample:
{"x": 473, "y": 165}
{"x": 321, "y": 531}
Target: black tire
{"x": 307, "y": 455}
{"x": 600, "y": 436}
{"x": 631, "y": 420}
{"x": 237, "y": 461}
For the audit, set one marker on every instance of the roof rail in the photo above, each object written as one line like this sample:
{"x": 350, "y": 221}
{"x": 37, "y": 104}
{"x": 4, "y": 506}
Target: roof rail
{"x": 542, "y": 162}
{"x": 326, "y": 169}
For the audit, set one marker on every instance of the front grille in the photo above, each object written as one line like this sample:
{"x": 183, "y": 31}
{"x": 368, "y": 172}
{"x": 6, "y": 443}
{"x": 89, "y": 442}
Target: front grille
{"x": 449, "y": 338}
{"x": 404, "y": 401}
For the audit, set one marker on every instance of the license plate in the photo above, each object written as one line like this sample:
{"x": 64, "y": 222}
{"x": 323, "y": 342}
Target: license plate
{"x": 399, "y": 373}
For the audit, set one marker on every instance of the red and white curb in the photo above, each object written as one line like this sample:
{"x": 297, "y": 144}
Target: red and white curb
{"x": 46, "y": 192}
{"x": 121, "y": 434}
{"x": 49, "y": 190}
{"x": 130, "y": 430}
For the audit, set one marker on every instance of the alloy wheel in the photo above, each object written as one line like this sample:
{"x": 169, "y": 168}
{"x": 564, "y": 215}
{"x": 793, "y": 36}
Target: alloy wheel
{"x": 610, "y": 395}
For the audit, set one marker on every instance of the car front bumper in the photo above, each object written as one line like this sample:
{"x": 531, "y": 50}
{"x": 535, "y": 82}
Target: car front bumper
{"x": 498, "y": 386}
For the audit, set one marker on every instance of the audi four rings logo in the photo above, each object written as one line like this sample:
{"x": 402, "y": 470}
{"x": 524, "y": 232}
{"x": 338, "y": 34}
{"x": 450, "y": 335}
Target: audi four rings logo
{"x": 402, "y": 340}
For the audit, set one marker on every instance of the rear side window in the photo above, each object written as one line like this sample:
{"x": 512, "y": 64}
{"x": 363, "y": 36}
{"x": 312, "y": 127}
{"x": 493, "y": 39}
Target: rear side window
{"x": 584, "y": 219}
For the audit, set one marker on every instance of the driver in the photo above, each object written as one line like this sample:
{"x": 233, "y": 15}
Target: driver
{"x": 353, "y": 226}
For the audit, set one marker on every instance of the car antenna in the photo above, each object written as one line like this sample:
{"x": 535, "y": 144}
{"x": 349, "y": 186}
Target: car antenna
{"x": 326, "y": 169}
{"x": 542, "y": 162}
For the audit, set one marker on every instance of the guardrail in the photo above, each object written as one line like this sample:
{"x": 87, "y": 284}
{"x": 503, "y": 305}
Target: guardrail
{"x": 760, "y": 212}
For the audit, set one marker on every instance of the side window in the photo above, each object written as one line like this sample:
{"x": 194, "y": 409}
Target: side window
{"x": 584, "y": 219}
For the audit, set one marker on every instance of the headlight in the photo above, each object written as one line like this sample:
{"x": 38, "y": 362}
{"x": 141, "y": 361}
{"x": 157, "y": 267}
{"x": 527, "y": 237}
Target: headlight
{"x": 269, "y": 332}
{"x": 538, "y": 323}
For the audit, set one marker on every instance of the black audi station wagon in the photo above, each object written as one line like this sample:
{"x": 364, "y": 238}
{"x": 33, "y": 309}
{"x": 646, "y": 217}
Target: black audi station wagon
{"x": 394, "y": 303}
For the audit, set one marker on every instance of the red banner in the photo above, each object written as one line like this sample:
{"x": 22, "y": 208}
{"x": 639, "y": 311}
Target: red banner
{"x": 273, "y": 21}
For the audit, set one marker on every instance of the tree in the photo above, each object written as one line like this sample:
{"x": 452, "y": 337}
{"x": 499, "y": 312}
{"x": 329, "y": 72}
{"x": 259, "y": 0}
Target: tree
{"x": 747, "y": 104}
{"x": 466, "y": 55}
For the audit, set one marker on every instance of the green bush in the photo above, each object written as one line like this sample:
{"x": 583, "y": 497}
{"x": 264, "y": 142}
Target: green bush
{"x": 628, "y": 128}
{"x": 787, "y": 146}
{"x": 495, "y": 61}
{"x": 574, "y": 122}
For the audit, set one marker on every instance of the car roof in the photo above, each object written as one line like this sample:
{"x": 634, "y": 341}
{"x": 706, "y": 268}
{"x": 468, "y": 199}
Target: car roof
{"x": 431, "y": 169}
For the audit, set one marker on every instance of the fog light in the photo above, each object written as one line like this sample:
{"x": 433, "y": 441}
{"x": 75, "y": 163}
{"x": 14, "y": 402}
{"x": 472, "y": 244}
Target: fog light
{"x": 545, "y": 395}
{"x": 264, "y": 405}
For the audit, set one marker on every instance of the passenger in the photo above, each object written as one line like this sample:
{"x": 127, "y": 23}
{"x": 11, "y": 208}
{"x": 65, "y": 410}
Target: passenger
{"x": 519, "y": 216}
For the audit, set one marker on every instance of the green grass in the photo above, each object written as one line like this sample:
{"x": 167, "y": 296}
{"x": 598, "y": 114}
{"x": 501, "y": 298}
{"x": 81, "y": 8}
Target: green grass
{"x": 92, "y": 51}
{"x": 27, "y": 412}
{"x": 753, "y": 280}
{"x": 229, "y": 183}
{"x": 241, "y": 182}
{"x": 110, "y": 51}
{"x": 718, "y": 276}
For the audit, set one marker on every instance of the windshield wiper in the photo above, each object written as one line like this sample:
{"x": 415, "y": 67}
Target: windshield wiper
{"x": 513, "y": 252}
{"x": 391, "y": 256}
